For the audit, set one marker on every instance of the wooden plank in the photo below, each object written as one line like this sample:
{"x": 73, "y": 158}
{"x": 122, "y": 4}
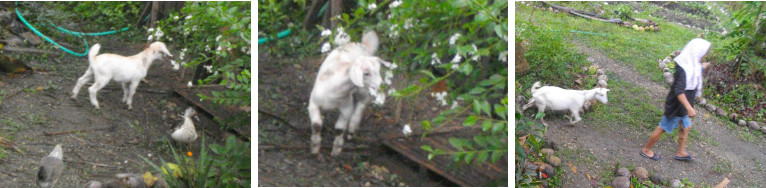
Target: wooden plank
{"x": 218, "y": 111}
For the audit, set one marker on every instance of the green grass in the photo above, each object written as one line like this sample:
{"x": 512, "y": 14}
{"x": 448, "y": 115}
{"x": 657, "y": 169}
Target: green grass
{"x": 636, "y": 49}
{"x": 623, "y": 107}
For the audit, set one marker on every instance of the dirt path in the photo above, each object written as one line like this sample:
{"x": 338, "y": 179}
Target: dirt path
{"x": 600, "y": 149}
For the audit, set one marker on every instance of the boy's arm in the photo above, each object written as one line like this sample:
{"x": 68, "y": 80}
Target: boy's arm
{"x": 685, "y": 102}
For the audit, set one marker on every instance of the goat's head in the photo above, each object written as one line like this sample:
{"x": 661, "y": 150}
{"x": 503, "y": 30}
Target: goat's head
{"x": 365, "y": 72}
{"x": 601, "y": 95}
{"x": 158, "y": 49}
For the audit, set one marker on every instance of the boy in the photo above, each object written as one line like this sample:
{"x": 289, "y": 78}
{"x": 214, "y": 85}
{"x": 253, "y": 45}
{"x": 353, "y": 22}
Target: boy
{"x": 687, "y": 86}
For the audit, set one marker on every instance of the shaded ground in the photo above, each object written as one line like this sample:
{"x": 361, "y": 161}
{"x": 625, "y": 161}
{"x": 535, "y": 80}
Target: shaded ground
{"x": 38, "y": 102}
{"x": 284, "y": 158}
{"x": 595, "y": 147}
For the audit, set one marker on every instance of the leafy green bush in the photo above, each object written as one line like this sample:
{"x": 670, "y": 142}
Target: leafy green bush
{"x": 529, "y": 134}
{"x": 550, "y": 56}
{"x": 747, "y": 34}
{"x": 228, "y": 166}
{"x": 216, "y": 35}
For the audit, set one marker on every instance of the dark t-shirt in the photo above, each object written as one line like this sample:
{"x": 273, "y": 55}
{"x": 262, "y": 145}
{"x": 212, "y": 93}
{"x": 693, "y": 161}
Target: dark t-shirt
{"x": 673, "y": 106}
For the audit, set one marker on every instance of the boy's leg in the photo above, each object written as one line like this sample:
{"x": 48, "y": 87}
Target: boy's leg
{"x": 656, "y": 135}
{"x": 683, "y": 134}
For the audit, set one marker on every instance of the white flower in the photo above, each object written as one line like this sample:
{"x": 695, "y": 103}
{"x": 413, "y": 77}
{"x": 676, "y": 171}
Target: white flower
{"x": 408, "y": 23}
{"x": 326, "y": 47}
{"x": 454, "y": 38}
{"x": 182, "y": 55}
{"x": 455, "y": 66}
{"x": 475, "y": 58}
{"x": 406, "y": 130}
{"x": 150, "y": 30}
{"x": 387, "y": 78}
{"x": 189, "y": 84}
{"x": 326, "y": 33}
{"x": 207, "y": 47}
{"x": 150, "y": 38}
{"x": 218, "y": 38}
{"x": 194, "y": 28}
{"x": 456, "y": 59}
{"x": 440, "y": 97}
{"x": 454, "y": 105}
{"x": 170, "y": 39}
{"x": 215, "y": 73}
{"x": 176, "y": 66}
{"x": 219, "y": 48}
{"x": 435, "y": 59}
{"x": 474, "y": 48}
{"x": 150, "y": 155}
{"x": 372, "y": 6}
{"x": 341, "y": 39}
{"x": 209, "y": 68}
{"x": 188, "y": 17}
{"x": 380, "y": 98}
{"x": 126, "y": 161}
{"x": 244, "y": 49}
{"x": 159, "y": 33}
{"x": 175, "y": 17}
{"x": 503, "y": 56}
{"x": 390, "y": 16}
{"x": 395, "y": 4}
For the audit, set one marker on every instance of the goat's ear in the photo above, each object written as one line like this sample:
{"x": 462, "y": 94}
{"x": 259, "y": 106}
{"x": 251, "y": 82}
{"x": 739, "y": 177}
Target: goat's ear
{"x": 356, "y": 74}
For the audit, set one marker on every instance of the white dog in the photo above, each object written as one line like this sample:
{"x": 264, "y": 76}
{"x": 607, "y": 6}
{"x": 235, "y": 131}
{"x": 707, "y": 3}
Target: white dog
{"x": 131, "y": 69}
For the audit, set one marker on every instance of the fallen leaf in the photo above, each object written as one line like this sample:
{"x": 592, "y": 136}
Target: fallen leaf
{"x": 574, "y": 168}
{"x": 587, "y": 176}
{"x": 347, "y": 167}
{"x": 39, "y": 88}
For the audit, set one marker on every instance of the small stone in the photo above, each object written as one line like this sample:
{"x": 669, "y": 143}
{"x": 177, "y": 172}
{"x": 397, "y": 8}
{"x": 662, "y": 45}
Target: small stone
{"x": 667, "y": 74}
{"x": 585, "y": 68}
{"x": 674, "y": 54}
{"x": 548, "y": 169}
{"x": 669, "y": 80}
{"x": 657, "y": 179}
{"x": 623, "y": 172}
{"x": 600, "y": 71}
{"x": 662, "y": 65}
{"x": 675, "y": 183}
{"x": 602, "y": 83}
{"x": 641, "y": 173}
{"x": 666, "y": 60}
{"x": 710, "y": 107}
{"x": 555, "y": 161}
{"x": 547, "y": 151}
{"x": 550, "y": 144}
{"x": 702, "y": 101}
{"x": 763, "y": 129}
{"x": 621, "y": 182}
{"x": 31, "y": 38}
{"x": 753, "y": 125}
{"x": 721, "y": 112}
{"x": 733, "y": 117}
{"x": 603, "y": 77}
{"x": 741, "y": 123}
{"x": 665, "y": 69}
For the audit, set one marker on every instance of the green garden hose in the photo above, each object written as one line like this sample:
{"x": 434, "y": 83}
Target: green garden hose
{"x": 78, "y": 34}
{"x": 288, "y": 31}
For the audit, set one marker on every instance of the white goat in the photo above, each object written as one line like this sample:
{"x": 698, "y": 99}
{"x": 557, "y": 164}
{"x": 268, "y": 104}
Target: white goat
{"x": 131, "y": 69}
{"x": 556, "y": 98}
{"x": 344, "y": 81}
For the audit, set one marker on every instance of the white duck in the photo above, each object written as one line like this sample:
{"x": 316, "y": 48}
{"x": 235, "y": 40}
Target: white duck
{"x": 186, "y": 133}
{"x": 50, "y": 168}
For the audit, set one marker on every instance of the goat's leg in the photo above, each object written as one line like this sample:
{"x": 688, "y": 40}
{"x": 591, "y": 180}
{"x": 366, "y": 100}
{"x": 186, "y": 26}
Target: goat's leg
{"x": 87, "y": 77}
{"x": 356, "y": 117}
{"x": 541, "y": 108}
{"x": 125, "y": 91}
{"x": 576, "y": 116}
{"x": 529, "y": 104}
{"x": 316, "y": 127}
{"x": 346, "y": 110}
{"x": 93, "y": 90}
{"x": 133, "y": 86}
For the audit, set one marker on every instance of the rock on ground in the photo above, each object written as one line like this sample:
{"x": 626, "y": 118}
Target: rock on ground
{"x": 621, "y": 182}
{"x": 675, "y": 183}
{"x": 547, "y": 151}
{"x": 741, "y": 123}
{"x": 641, "y": 173}
{"x": 753, "y": 125}
{"x": 623, "y": 172}
{"x": 555, "y": 161}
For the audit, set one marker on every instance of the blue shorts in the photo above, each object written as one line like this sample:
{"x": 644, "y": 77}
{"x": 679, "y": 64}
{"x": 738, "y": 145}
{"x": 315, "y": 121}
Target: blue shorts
{"x": 668, "y": 124}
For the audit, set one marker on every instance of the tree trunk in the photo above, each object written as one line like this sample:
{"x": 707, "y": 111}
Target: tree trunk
{"x": 155, "y": 9}
{"x": 312, "y": 16}
{"x": 337, "y": 9}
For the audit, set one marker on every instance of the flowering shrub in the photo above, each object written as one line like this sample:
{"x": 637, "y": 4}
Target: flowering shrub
{"x": 460, "y": 43}
{"x": 217, "y": 36}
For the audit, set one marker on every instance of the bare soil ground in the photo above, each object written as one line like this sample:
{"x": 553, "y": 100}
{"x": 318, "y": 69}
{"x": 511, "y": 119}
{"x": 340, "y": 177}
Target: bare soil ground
{"x": 599, "y": 150}
{"x": 284, "y": 158}
{"x": 38, "y": 102}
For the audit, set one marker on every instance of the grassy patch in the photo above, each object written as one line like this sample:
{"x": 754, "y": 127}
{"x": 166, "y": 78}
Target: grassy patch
{"x": 637, "y": 49}
{"x": 630, "y": 107}
{"x": 723, "y": 166}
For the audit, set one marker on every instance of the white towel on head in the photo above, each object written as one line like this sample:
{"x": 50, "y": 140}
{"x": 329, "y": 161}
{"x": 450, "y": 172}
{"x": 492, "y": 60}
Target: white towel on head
{"x": 689, "y": 59}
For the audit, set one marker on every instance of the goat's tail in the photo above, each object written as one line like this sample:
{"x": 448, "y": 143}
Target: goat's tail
{"x": 370, "y": 41}
{"x": 535, "y": 86}
{"x": 92, "y": 53}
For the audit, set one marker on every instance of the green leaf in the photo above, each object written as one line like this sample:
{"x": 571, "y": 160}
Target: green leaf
{"x": 496, "y": 155}
{"x": 428, "y": 73}
{"x": 539, "y": 115}
{"x": 497, "y": 127}
{"x": 427, "y": 148}
{"x": 455, "y": 142}
{"x": 486, "y": 108}
{"x": 482, "y": 156}
{"x": 469, "y": 156}
{"x": 459, "y": 3}
{"x": 480, "y": 140}
{"x": 466, "y": 68}
{"x": 470, "y": 121}
{"x": 477, "y": 90}
{"x": 486, "y": 125}
{"x": 501, "y": 111}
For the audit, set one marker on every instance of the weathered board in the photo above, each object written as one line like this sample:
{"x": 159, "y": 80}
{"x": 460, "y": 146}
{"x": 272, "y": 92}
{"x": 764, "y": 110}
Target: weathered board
{"x": 218, "y": 111}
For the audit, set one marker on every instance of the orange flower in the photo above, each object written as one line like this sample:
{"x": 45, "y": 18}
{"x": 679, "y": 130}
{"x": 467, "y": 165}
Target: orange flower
{"x": 189, "y": 153}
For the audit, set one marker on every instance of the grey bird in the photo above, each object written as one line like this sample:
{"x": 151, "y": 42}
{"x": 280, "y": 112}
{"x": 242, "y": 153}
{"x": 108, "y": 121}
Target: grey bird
{"x": 51, "y": 167}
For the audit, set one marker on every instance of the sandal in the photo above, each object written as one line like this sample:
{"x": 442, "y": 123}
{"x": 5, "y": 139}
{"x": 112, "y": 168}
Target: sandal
{"x": 656, "y": 156}
{"x": 687, "y": 158}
